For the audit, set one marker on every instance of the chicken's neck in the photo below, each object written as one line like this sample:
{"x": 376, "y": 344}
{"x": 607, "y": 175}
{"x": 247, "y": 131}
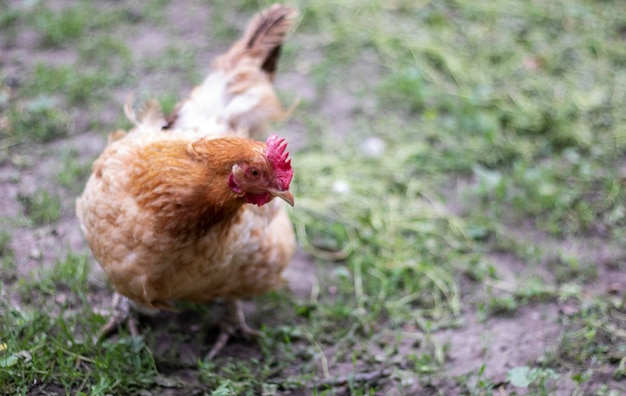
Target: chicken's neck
{"x": 194, "y": 211}
{"x": 186, "y": 187}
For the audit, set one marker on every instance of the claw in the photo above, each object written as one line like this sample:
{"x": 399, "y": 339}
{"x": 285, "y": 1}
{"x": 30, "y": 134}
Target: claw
{"x": 234, "y": 321}
{"x": 121, "y": 313}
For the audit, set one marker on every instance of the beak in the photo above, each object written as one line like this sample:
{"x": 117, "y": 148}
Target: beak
{"x": 285, "y": 195}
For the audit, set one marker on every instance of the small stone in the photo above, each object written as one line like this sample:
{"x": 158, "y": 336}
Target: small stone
{"x": 373, "y": 147}
{"x": 60, "y": 298}
{"x": 341, "y": 187}
{"x": 614, "y": 288}
{"x": 35, "y": 253}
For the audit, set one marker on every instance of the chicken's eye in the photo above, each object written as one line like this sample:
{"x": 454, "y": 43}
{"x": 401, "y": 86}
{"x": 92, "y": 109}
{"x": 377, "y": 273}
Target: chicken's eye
{"x": 254, "y": 172}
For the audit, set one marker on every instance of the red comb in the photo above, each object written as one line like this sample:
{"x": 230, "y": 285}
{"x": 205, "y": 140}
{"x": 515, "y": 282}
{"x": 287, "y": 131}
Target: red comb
{"x": 280, "y": 160}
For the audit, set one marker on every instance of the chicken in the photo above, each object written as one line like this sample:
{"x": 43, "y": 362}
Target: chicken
{"x": 182, "y": 208}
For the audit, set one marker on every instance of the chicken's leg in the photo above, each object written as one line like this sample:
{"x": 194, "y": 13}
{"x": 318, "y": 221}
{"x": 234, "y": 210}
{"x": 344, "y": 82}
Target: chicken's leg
{"x": 121, "y": 312}
{"x": 233, "y": 321}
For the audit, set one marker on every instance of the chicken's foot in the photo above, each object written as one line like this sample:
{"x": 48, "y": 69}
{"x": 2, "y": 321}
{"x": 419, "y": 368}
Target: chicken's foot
{"x": 121, "y": 312}
{"x": 235, "y": 320}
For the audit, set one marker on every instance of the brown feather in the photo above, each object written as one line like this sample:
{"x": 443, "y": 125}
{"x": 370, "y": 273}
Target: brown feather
{"x": 149, "y": 115}
{"x": 185, "y": 185}
{"x": 161, "y": 219}
{"x": 262, "y": 40}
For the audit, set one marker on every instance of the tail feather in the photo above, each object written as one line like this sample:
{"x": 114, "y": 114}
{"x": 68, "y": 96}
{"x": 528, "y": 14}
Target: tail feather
{"x": 262, "y": 40}
{"x": 150, "y": 115}
{"x": 238, "y": 96}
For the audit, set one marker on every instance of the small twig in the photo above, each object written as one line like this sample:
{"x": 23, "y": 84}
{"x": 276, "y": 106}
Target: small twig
{"x": 322, "y": 355}
{"x": 6, "y": 145}
{"x": 84, "y": 382}
{"x": 340, "y": 345}
{"x": 315, "y": 291}
{"x": 611, "y": 328}
{"x": 501, "y": 285}
{"x": 618, "y": 315}
{"x": 75, "y": 355}
{"x": 320, "y": 253}
{"x": 353, "y": 377}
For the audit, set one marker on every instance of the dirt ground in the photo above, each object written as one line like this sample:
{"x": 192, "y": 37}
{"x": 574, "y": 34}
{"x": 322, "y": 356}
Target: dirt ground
{"x": 498, "y": 343}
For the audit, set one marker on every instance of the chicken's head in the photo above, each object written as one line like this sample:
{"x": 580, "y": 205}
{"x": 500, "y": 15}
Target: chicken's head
{"x": 265, "y": 176}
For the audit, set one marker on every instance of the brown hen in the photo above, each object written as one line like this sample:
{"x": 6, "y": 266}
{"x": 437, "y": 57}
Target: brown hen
{"x": 181, "y": 208}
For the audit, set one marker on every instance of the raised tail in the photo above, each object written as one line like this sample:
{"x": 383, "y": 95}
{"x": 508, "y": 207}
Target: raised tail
{"x": 238, "y": 97}
{"x": 262, "y": 42}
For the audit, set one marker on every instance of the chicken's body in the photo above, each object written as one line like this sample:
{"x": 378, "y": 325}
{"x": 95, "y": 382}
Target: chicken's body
{"x": 158, "y": 256}
{"x": 164, "y": 220}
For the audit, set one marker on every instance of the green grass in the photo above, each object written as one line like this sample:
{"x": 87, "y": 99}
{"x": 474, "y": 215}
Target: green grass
{"x": 54, "y": 343}
{"x": 7, "y": 257}
{"x": 59, "y": 28}
{"x": 39, "y": 119}
{"x": 445, "y": 139}
{"x": 42, "y": 207}
{"x": 73, "y": 173}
